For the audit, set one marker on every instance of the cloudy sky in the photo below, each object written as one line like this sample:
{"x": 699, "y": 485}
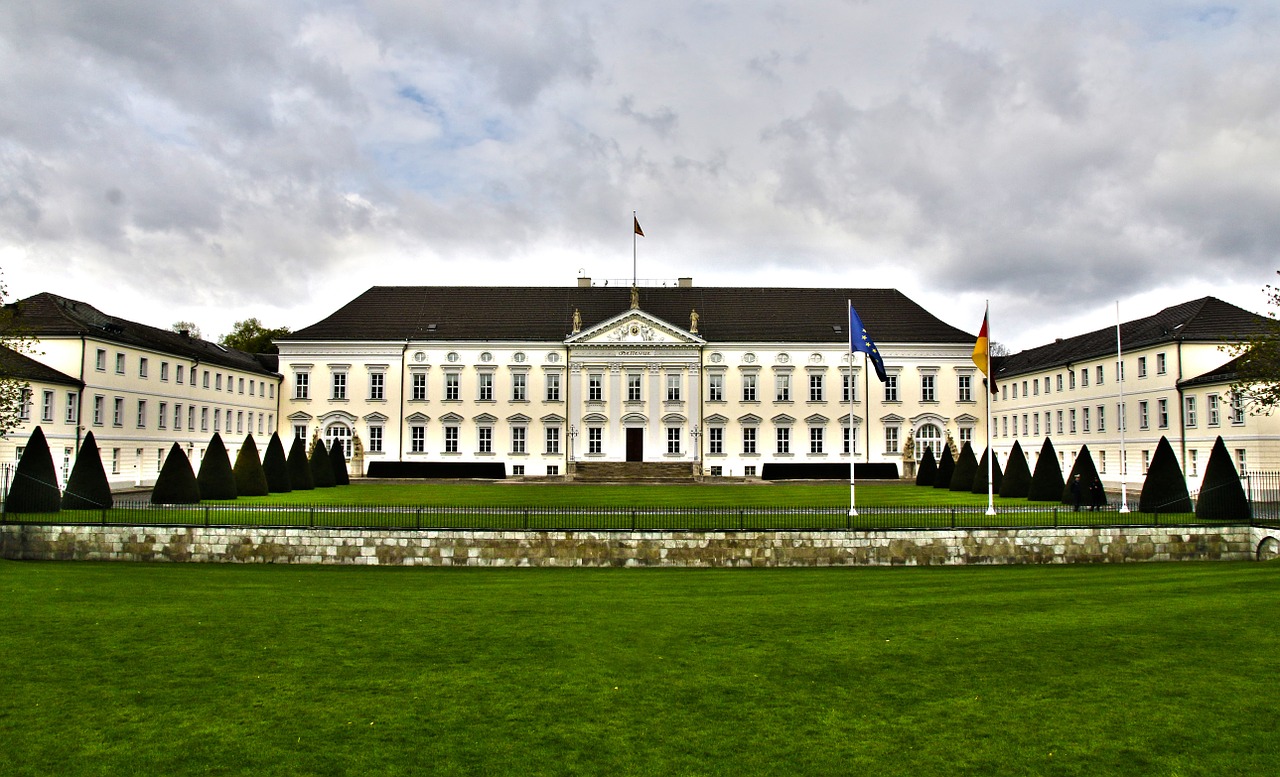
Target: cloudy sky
{"x": 217, "y": 160}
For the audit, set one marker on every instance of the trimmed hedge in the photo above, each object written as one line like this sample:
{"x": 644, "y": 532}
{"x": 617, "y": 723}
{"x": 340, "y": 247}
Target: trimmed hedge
{"x": 35, "y": 481}
{"x": 276, "y": 467}
{"x": 966, "y": 466}
{"x": 980, "y": 476}
{"x": 928, "y": 471}
{"x": 1082, "y": 466}
{"x": 87, "y": 487}
{"x": 339, "y": 462}
{"x": 299, "y": 466}
{"x": 1164, "y": 490}
{"x": 251, "y": 480}
{"x": 946, "y": 467}
{"x": 176, "y": 484}
{"x": 1046, "y": 483}
{"x": 1017, "y": 477}
{"x": 1222, "y": 496}
{"x": 216, "y": 478}
{"x": 321, "y": 469}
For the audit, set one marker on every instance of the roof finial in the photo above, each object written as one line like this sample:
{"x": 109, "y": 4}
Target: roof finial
{"x": 635, "y": 297}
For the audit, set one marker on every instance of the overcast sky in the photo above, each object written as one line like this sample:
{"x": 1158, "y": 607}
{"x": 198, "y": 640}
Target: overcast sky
{"x": 217, "y": 160}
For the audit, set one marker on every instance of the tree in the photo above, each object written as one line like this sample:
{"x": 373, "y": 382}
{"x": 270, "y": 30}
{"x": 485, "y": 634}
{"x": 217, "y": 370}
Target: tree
{"x": 980, "y": 476}
{"x": 251, "y": 336}
{"x": 251, "y": 479}
{"x": 338, "y": 459}
{"x": 1017, "y": 476}
{"x": 1164, "y": 490}
{"x": 35, "y": 481}
{"x": 299, "y": 466}
{"x": 1046, "y": 483}
{"x": 928, "y": 471}
{"x": 216, "y": 478}
{"x": 191, "y": 329}
{"x": 14, "y": 388}
{"x": 1222, "y": 496}
{"x": 966, "y": 466}
{"x": 276, "y": 467}
{"x": 176, "y": 484}
{"x": 1257, "y": 362}
{"x": 88, "y": 487}
{"x": 946, "y": 467}
{"x": 321, "y": 467}
{"x": 1082, "y": 466}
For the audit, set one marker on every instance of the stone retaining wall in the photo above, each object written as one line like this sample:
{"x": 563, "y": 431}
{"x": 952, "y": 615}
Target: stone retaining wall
{"x": 602, "y": 548}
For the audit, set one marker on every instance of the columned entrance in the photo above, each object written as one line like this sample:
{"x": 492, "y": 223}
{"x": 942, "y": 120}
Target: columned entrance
{"x": 635, "y": 444}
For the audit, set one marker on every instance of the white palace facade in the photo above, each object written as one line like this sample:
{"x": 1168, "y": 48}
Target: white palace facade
{"x": 555, "y": 381}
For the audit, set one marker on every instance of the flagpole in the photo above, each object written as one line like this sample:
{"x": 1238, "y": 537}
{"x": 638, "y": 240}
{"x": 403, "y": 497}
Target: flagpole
{"x": 635, "y": 220}
{"x": 991, "y": 451}
{"x": 853, "y": 510}
{"x": 1124, "y": 462}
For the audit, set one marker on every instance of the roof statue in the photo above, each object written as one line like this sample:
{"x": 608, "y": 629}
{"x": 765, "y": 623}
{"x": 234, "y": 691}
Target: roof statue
{"x": 635, "y": 298}
{"x": 693, "y": 322}
{"x": 577, "y": 322}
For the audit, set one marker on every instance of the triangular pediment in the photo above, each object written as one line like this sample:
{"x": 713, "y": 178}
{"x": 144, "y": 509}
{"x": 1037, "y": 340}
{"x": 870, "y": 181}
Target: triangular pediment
{"x": 634, "y": 327}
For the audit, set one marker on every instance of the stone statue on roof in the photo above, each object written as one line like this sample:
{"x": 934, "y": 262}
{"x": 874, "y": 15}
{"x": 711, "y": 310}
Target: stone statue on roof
{"x": 635, "y": 297}
{"x": 693, "y": 321}
{"x": 577, "y": 322}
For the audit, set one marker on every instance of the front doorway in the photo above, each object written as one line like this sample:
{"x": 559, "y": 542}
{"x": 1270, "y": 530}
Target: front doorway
{"x": 635, "y": 444}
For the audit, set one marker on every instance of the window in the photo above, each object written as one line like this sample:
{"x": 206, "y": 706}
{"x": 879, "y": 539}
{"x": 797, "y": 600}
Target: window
{"x": 204, "y": 419}
{"x": 1119, "y": 371}
{"x": 240, "y": 385}
{"x": 179, "y": 372}
{"x": 517, "y": 439}
{"x": 517, "y": 469}
{"x": 749, "y": 471}
{"x": 552, "y": 438}
{"x": 1142, "y": 366}
{"x": 418, "y": 386}
{"x": 715, "y": 440}
{"x": 1160, "y": 364}
{"x": 1121, "y": 409}
{"x": 1143, "y": 417}
{"x": 673, "y": 440}
{"x": 1084, "y": 420}
{"x": 177, "y": 417}
{"x": 1024, "y": 425}
{"x": 553, "y": 470}
{"x": 162, "y": 415}
{"x": 205, "y": 383}
{"x": 191, "y": 417}
{"x": 673, "y": 387}
{"x": 451, "y": 439}
{"x": 1059, "y": 422}
{"x": 1015, "y": 390}
{"x": 1162, "y": 413}
{"x": 891, "y": 439}
{"x": 339, "y": 386}
{"x": 1035, "y": 423}
{"x": 749, "y": 439}
{"x": 299, "y": 431}
{"x": 452, "y": 387}
{"x": 46, "y": 407}
{"x": 142, "y": 367}
{"x": 377, "y": 386}
{"x": 117, "y": 415}
{"x": 553, "y": 387}
{"x": 142, "y": 414}
{"x": 1071, "y": 420}
{"x": 891, "y": 389}
{"x": 782, "y": 387}
{"x": 1046, "y": 384}
{"x": 1212, "y": 402}
{"x": 633, "y": 386}
{"x": 484, "y": 439}
{"x": 595, "y": 439}
{"x": 1025, "y": 393}
{"x": 1240, "y": 460}
{"x": 1237, "y": 408}
{"x": 964, "y": 388}
{"x": 518, "y": 385}
{"x": 119, "y": 364}
{"x": 1035, "y": 387}
{"x": 417, "y": 438}
{"x": 271, "y": 391}
{"x": 217, "y": 419}
{"x": 115, "y": 461}
{"x": 966, "y": 435}
{"x": 164, "y": 371}
{"x": 1102, "y": 462}
{"x": 375, "y": 439}
{"x": 239, "y": 421}
{"x": 928, "y": 438}
{"x": 815, "y": 439}
{"x": 1059, "y": 381}
{"x": 715, "y": 388}
{"x": 783, "y": 435}
{"x": 1084, "y": 377}
{"x": 1098, "y": 375}
{"x": 749, "y": 388}
{"x": 595, "y": 388}
{"x": 1004, "y": 391}
{"x": 927, "y": 393}
{"x": 251, "y": 385}
{"x": 98, "y": 407}
{"x": 339, "y": 434}
{"x": 217, "y": 381}
{"x": 1102, "y": 418}
{"x": 1189, "y": 406}
{"x": 1004, "y": 425}
{"x": 485, "y": 393}
{"x": 816, "y": 393}
{"x": 850, "y": 441}
{"x": 1191, "y": 462}
{"x": 100, "y": 361}
{"x": 849, "y": 392}
{"x": 1146, "y": 461}
{"x": 301, "y": 384}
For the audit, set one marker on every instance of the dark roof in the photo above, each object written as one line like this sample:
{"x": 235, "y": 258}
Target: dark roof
{"x": 23, "y": 367}
{"x": 48, "y": 315}
{"x": 541, "y": 313}
{"x": 1205, "y": 320}
{"x": 1225, "y": 373}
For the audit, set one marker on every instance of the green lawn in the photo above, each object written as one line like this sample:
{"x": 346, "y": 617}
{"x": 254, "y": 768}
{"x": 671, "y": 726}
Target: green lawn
{"x": 1152, "y": 669}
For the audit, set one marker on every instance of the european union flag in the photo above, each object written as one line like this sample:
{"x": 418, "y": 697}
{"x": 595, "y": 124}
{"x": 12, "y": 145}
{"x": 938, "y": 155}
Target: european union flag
{"x": 859, "y": 340}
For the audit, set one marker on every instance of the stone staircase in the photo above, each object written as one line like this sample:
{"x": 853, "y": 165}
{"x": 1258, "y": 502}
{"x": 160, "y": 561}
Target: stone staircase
{"x": 634, "y": 471}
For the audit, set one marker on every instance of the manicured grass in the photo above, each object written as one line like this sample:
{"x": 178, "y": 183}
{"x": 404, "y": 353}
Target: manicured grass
{"x": 1160, "y": 669}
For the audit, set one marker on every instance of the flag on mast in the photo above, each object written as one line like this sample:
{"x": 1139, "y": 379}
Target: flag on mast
{"x": 982, "y": 352}
{"x": 859, "y": 340}
{"x": 639, "y": 231}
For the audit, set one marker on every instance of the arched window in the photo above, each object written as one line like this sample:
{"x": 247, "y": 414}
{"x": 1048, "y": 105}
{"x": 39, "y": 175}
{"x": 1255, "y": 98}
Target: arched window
{"x": 339, "y": 431}
{"x": 928, "y": 436}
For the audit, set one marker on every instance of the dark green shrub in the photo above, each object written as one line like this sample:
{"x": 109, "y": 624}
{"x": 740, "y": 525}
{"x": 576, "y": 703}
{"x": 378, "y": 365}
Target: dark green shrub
{"x": 35, "y": 481}
{"x": 946, "y": 467}
{"x": 980, "y": 475}
{"x": 1046, "y": 483}
{"x": 928, "y": 471}
{"x": 87, "y": 487}
{"x": 251, "y": 480}
{"x": 299, "y": 466}
{"x": 276, "y": 467}
{"x": 1082, "y": 466}
{"x": 1164, "y": 490}
{"x": 177, "y": 483}
{"x": 321, "y": 467}
{"x": 1017, "y": 477}
{"x": 966, "y": 466}
{"x": 1222, "y": 496}
{"x": 216, "y": 478}
{"x": 338, "y": 459}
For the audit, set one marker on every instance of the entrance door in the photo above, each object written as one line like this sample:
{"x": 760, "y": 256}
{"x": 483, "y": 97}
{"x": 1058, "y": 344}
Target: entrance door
{"x": 635, "y": 445}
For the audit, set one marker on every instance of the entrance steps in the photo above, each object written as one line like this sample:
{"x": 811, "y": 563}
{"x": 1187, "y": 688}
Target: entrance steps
{"x": 634, "y": 471}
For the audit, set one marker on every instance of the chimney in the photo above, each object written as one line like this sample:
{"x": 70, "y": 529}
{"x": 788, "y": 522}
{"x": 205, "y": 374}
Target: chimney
{"x": 584, "y": 283}
{"x": 685, "y": 283}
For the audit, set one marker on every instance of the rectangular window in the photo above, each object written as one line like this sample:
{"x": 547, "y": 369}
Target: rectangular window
{"x": 1098, "y": 376}
{"x": 595, "y": 388}
{"x": 1071, "y": 420}
{"x": 179, "y": 373}
{"x": 240, "y": 385}
{"x": 300, "y": 431}
{"x": 99, "y": 403}
{"x": 251, "y": 385}
{"x": 673, "y": 440}
{"x": 927, "y": 393}
{"x": 673, "y": 387}
{"x": 1162, "y": 413}
{"x": 177, "y": 417}
{"x": 1241, "y": 463}
{"x": 553, "y": 470}
{"x": 518, "y": 380}
{"x": 783, "y": 435}
{"x": 1015, "y": 390}
{"x": 1084, "y": 420}
{"x": 1084, "y": 377}
{"x": 339, "y": 386}
{"x": 634, "y": 380}
{"x": 1212, "y": 402}
{"x": 484, "y": 439}
{"x": 301, "y": 384}
{"x": 115, "y": 461}
{"x": 849, "y": 440}
{"x": 417, "y": 438}
{"x": 848, "y": 393}
{"x": 377, "y": 386}
{"x": 517, "y": 439}
{"x": 1004, "y": 392}
{"x": 217, "y": 381}
{"x": 1237, "y": 408}
{"x": 815, "y": 439}
{"x": 164, "y": 371}
{"x": 891, "y": 439}
{"x": 451, "y": 439}
{"x": 46, "y": 407}
{"x": 1142, "y": 366}
{"x": 418, "y": 386}
{"x": 1190, "y": 405}
{"x": 100, "y": 361}
{"x": 1059, "y": 381}
{"x": 1102, "y": 418}
{"x": 715, "y": 440}
{"x": 142, "y": 414}
{"x": 191, "y": 417}
{"x": 715, "y": 388}
{"x": 239, "y": 421}
{"x": 552, "y": 436}
{"x": 1035, "y": 422}
{"x": 1004, "y": 426}
{"x": 119, "y": 364}
{"x": 966, "y": 435}
{"x": 142, "y": 367}
{"x": 553, "y": 387}
{"x": 816, "y": 389}
{"x": 891, "y": 389}
{"x": 375, "y": 439}
{"x": 964, "y": 388}
{"x": 595, "y": 439}
{"x": 205, "y": 382}
{"x": 1059, "y": 419}
{"x": 217, "y": 419}
{"x": 452, "y": 387}
{"x": 1146, "y": 461}
{"x": 117, "y": 416}
{"x": 1160, "y": 364}
{"x": 782, "y": 388}
{"x": 485, "y": 393}
{"x": 1191, "y": 462}
{"x": 1071, "y": 380}
{"x": 1102, "y": 462}
{"x": 1143, "y": 415}
{"x": 162, "y": 415}
{"x": 749, "y": 439}
{"x": 1024, "y": 425}
{"x": 749, "y": 388}
{"x": 1035, "y": 387}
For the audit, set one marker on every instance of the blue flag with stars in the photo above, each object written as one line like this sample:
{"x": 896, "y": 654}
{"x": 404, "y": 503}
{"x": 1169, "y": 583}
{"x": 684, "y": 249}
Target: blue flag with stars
{"x": 859, "y": 340}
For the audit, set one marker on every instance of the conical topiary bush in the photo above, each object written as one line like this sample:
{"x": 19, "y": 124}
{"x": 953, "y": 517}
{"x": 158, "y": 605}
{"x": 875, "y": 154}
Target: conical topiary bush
{"x": 1164, "y": 490}
{"x": 276, "y": 467}
{"x": 216, "y": 478}
{"x": 946, "y": 467}
{"x": 87, "y": 487}
{"x": 251, "y": 480}
{"x": 966, "y": 466}
{"x": 176, "y": 484}
{"x": 1082, "y": 466}
{"x": 928, "y": 471}
{"x": 980, "y": 475}
{"x": 339, "y": 462}
{"x": 35, "y": 481}
{"x": 1017, "y": 477}
{"x": 1046, "y": 482}
{"x": 299, "y": 466}
{"x": 321, "y": 468}
{"x": 1222, "y": 496}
